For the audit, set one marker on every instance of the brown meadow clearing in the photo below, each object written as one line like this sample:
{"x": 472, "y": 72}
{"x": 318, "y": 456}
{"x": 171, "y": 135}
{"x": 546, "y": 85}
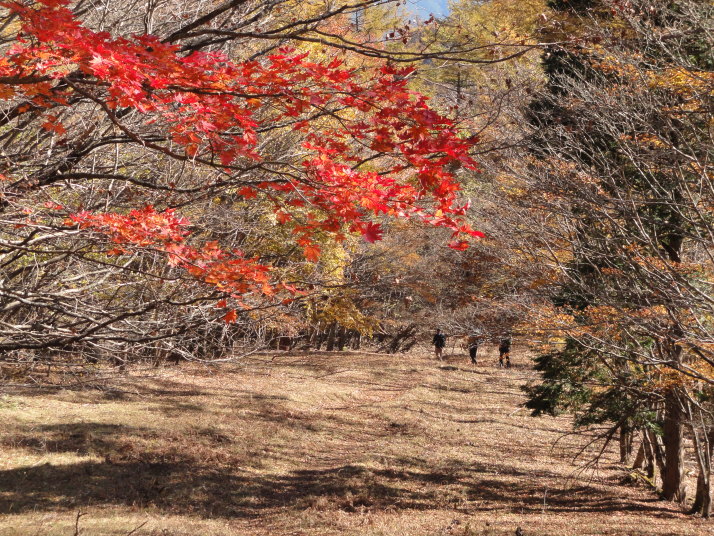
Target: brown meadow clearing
{"x": 313, "y": 444}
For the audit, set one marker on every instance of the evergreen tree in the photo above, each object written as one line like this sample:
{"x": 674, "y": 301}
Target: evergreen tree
{"x": 621, "y": 147}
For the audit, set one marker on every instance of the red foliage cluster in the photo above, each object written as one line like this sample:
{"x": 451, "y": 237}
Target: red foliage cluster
{"x": 228, "y": 271}
{"x": 212, "y": 109}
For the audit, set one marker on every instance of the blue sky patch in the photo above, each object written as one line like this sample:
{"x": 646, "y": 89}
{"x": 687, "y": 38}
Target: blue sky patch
{"x": 424, "y": 7}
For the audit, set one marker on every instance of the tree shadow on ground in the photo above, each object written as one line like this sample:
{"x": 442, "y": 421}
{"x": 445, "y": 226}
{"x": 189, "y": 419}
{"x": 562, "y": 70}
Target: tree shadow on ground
{"x": 79, "y": 438}
{"x": 167, "y": 387}
{"x": 526, "y": 498}
{"x": 185, "y": 488}
{"x": 90, "y": 389}
{"x": 191, "y": 483}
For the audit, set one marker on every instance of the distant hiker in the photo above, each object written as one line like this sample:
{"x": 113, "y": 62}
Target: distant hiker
{"x": 504, "y": 352}
{"x": 472, "y": 342}
{"x": 439, "y": 342}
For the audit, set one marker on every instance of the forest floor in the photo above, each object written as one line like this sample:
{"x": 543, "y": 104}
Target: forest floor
{"x": 310, "y": 444}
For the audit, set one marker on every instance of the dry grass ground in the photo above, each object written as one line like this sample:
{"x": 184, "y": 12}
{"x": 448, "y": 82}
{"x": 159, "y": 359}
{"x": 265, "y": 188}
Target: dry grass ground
{"x": 318, "y": 444}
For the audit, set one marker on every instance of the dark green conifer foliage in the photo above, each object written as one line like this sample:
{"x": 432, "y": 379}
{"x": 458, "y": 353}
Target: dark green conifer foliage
{"x": 626, "y": 199}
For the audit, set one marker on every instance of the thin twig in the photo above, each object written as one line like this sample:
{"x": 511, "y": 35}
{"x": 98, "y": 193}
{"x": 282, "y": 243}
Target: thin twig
{"x": 137, "y": 528}
{"x": 76, "y": 522}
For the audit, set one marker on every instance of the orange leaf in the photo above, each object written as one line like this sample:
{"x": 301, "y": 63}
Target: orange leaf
{"x": 312, "y": 252}
{"x": 459, "y": 245}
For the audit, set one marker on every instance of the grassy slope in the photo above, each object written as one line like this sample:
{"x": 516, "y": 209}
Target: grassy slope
{"x": 308, "y": 444}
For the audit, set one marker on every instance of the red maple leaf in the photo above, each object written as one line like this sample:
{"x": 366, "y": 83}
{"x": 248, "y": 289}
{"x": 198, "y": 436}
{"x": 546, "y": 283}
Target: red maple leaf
{"x": 312, "y": 252}
{"x": 230, "y": 317}
{"x": 372, "y": 232}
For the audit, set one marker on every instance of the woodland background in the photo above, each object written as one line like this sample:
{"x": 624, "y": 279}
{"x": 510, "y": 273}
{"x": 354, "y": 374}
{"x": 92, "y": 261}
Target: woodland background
{"x": 201, "y": 181}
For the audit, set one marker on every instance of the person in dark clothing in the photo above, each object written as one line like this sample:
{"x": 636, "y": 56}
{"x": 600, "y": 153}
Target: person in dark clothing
{"x": 439, "y": 342}
{"x": 504, "y": 352}
{"x": 472, "y": 342}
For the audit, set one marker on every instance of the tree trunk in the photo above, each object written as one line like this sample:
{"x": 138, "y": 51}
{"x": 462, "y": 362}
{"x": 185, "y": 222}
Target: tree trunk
{"x": 649, "y": 461}
{"x": 654, "y": 455}
{"x": 625, "y": 443}
{"x": 348, "y": 338}
{"x": 702, "y": 500}
{"x": 673, "y": 475}
{"x": 331, "y": 337}
{"x": 357, "y": 341}
{"x": 639, "y": 457}
{"x": 703, "y": 443}
{"x": 341, "y": 338}
{"x": 319, "y": 339}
